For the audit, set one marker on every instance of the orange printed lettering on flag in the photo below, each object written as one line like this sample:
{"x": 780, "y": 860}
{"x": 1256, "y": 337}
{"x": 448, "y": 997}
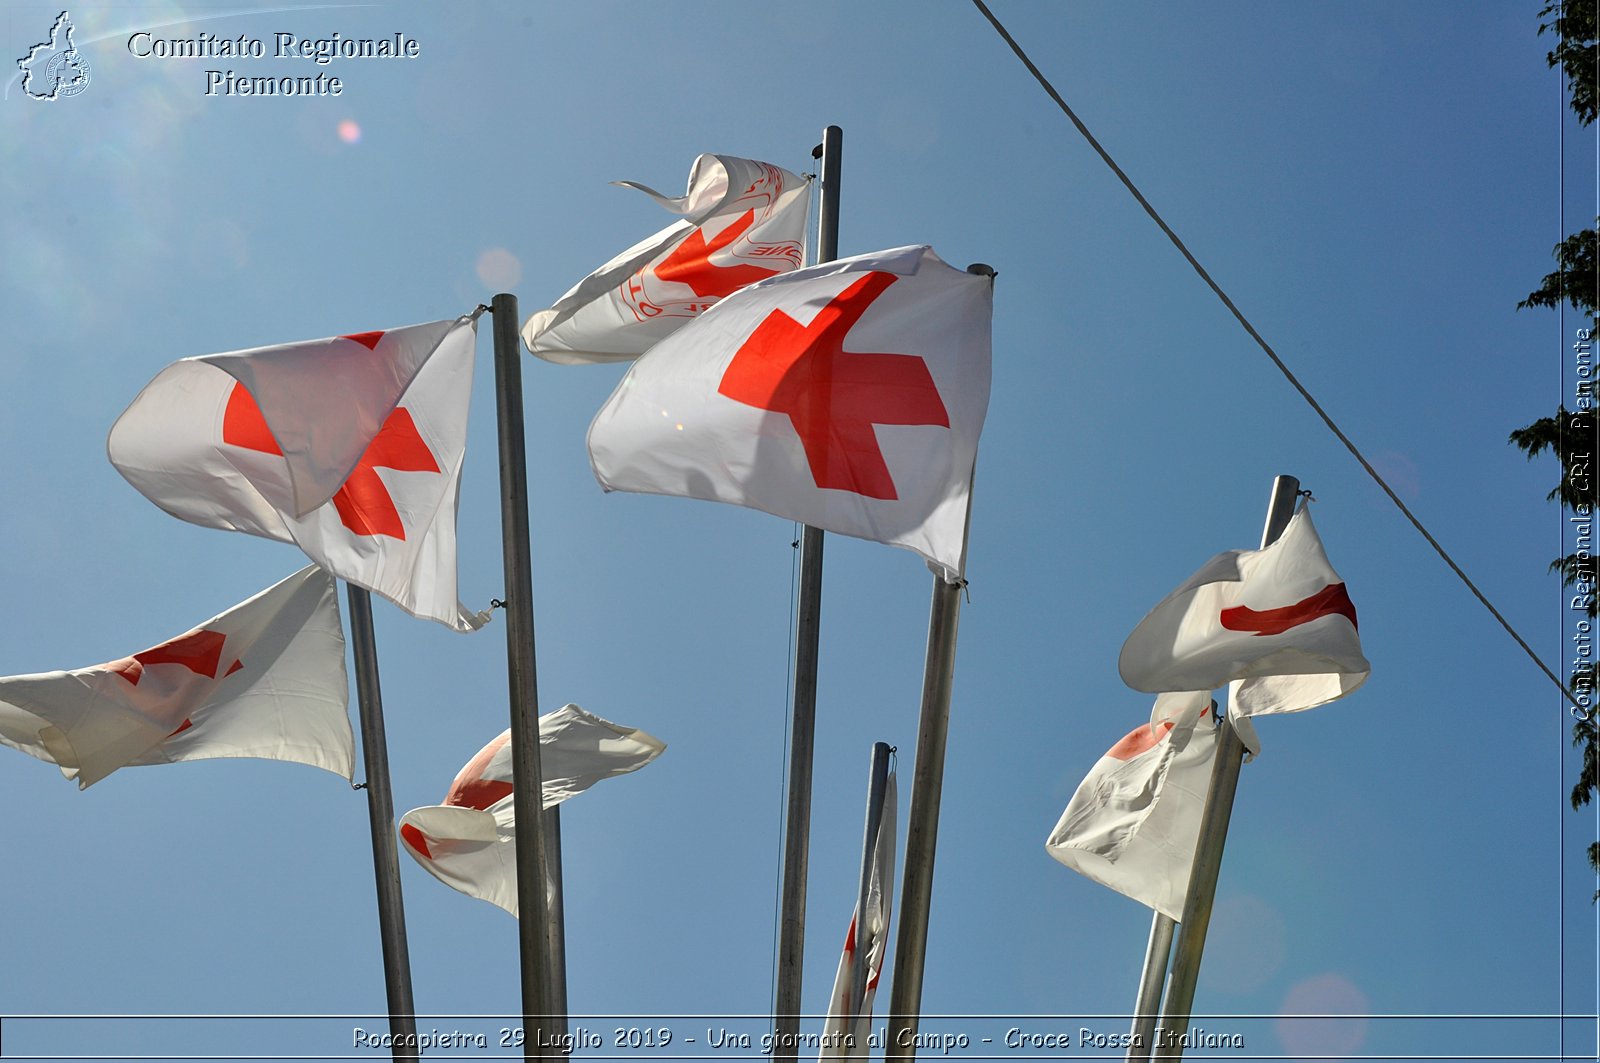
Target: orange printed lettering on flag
{"x": 832, "y": 396}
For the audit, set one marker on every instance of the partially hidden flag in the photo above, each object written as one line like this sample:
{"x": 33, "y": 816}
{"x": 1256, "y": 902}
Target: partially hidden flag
{"x": 849, "y": 396}
{"x": 847, "y": 1031}
{"x": 743, "y": 221}
{"x": 1278, "y": 620}
{"x": 349, "y": 447}
{"x": 1133, "y": 821}
{"x": 264, "y": 679}
{"x": 469, "y": 841}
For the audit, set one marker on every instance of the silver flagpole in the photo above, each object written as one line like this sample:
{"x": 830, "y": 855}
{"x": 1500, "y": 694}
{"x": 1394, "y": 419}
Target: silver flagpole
{"x": 556, "y": 924}
{"x": 927, "y": 786}
{"x": 1151, "y": 981}
{"x": 541, "y": 1023}
{"x": 922, "y": 828}
{"x": 1213, "y": 834}
{"x": 380, "y": 812}
{"x": 808, "y": 616}
{"x": 877, "y": 784}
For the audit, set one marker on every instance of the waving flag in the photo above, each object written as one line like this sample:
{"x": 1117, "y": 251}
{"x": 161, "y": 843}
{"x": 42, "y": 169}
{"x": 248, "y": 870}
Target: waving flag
{"x": 743, "y": 221}
{"x": 1278, "y": 618}
{"x": 470, "y": 841}
{"x": 849, "y": 396}
{"x": 1133, "y": 822}
{"x": 349, "y": 447}
{"x": 264, "y": 679}
{"x": 846, "y": 1032}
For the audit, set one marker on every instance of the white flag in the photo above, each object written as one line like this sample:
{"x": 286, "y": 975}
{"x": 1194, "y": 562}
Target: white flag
{"x": 349, "y": 447}
{"x": 1133, "y": 822}
{"x": 849, "y": 396}
{"x": 264, "y": 679}
{"x": 744, "y": 221}
{"x": 844, "y": 1038}
{"x": 1278, "y": 618}
{"x": 469, "y": 841}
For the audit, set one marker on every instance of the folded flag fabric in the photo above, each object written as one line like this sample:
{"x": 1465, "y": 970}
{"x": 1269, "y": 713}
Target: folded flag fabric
{"x": 849, "y": 396}
{"x": 469, "y": 841}
{"x": 349, "y": 447}
{"x": 1278, "y": 618}
{"x": 1134, "y": 820}
{"x": 743, "y": 221}
{"x": 264, "y": 679}
{"x": 847, "y": 1031}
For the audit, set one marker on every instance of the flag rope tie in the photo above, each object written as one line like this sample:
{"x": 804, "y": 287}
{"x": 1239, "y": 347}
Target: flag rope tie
{"x": 1267, "y": 348}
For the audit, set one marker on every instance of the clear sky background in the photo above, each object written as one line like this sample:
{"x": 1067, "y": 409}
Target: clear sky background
{"x": 1376, "y": 185}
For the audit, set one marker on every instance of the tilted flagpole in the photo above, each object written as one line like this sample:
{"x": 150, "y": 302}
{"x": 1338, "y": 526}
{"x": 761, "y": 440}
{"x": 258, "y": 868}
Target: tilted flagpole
{"x": 802, "y": 733}
{"x": 927, "y": 785}
{"x": 1152, "y": 979}
{"x": 1213, "y": 834}
{"x": 543, "y": 1025}
{"x": 380, "y": 813}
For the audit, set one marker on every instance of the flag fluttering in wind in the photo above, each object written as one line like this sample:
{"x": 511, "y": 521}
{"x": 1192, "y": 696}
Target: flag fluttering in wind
{"x": 849, "y": 396}
{"x": 469, "y": 841}
{"x": 264, "y": 679}
{"x": 1133, "y": 822}
{"x": 349, "y": 447}
{"x": 743, "y": 221}
{"x": 1278, "y": 620}
{"x": 848, "y": 1028}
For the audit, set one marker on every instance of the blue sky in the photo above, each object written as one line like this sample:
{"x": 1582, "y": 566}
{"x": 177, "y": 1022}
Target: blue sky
{"x": 1375, "y": 185}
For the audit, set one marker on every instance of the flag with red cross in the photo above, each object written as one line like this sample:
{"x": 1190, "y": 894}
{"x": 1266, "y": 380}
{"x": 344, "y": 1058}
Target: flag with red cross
{"x": 1276, "y": 625}
{"x": 469, "y": 842}
{"x": 349, "y": 447}
{"x": 743, "y": 221}
{"x": 264, "y": 679}
{"x": 849, "y": 396}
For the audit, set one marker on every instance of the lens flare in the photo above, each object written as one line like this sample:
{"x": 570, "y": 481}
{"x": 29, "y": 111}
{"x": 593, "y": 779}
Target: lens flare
{"x": 499, "y": 269}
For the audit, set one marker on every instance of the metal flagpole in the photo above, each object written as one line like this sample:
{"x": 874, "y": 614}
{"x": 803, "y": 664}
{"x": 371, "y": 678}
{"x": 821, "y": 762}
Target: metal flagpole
{"x": 877, "y": 784}
{"x": 541, "y": 1023}
{"x": 927, "y": 785}
{"x": 922, "y": 828}
{"x": 1151, "y": 981}
{"x": 556, "y": 923}
{"x": 1213, "y": 834}
{"x": 797, "y": 820}
{"x": 380, "y": 812}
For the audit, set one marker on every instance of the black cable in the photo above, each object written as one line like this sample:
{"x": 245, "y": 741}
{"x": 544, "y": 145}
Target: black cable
{"x": 1284, "y": 369}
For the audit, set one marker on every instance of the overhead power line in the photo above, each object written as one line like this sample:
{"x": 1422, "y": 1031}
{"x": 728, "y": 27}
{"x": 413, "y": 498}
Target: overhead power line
{"x": 1244, "y": 322}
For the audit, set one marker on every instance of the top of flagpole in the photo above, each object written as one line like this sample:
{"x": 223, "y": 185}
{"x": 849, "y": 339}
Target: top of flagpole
{"x": 828, "y": 205}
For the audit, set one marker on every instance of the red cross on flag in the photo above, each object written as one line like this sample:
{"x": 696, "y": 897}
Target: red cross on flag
{"x": 470, "y": 841}
{"x": 1132, "y": 823}
{"x": 1278, "y": 619}
{"x": 849, "y": 396}
{"x": 743, "y": 221}
{"x": 264, "y": 679}
{"x": 349, "y": 447}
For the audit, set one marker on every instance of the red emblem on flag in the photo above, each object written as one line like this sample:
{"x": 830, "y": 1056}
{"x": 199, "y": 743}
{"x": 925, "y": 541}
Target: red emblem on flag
{"x": 832, "y": 396}
{"x": 199, "y": 651}
{"x": 364, "y": 503}
{"x": 1330, "y": 600}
